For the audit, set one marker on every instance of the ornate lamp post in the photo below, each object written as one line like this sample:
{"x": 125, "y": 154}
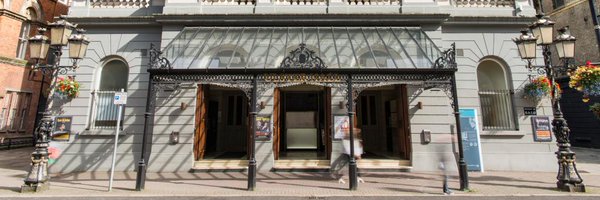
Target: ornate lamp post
{"x": 542, "y": 29}
{"x": 60, "y": 36}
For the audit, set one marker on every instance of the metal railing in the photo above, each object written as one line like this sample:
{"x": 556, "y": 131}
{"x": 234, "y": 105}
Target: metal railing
{"x": 120, "y": 3}
{"x": 484, "y": 3}
{"x": 497, "y": 109}
{"x": 228, "y": 2}
{"x": 300, "y": 2}
{"x": 373, "y": 2}
{"x": 105, "y": 112}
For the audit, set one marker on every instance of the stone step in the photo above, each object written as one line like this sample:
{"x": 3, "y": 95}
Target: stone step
{"x": 221, "y": 164}
{"x": 383, "y": 164}
{"x": 302, "y": 164}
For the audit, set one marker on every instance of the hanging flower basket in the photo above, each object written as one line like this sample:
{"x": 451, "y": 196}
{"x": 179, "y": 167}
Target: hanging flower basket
{"x": 67, "y": 87}
{"x": 595, "y": 108}
{"x": 586, "y": 79}
{"x": 539, "y": 88}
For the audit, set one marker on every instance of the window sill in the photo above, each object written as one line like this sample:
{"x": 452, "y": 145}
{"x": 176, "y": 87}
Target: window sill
{"x": 502, "y": 133}
{"x": 102, "y": 132}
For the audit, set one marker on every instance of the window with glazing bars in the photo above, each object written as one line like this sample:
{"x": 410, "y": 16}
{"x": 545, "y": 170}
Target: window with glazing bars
{"x": 15, "y": 108}
{"x": 23, "y": 37}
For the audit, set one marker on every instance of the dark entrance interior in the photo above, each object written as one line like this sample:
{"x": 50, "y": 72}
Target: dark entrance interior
{"x": 382, "y": 117}
{"x": 222, "y": 128}
{"x": 302, "y": 125}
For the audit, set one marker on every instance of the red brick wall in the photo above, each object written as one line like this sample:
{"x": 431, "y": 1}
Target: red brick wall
{"x": 15, "y": 76}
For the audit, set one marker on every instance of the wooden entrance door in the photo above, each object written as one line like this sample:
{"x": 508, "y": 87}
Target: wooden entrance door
{"x": 200, "y": 122}
{"x": 234, "y": 135}
{"x": 370, "y": 122}
{"x": 403, "y": 129}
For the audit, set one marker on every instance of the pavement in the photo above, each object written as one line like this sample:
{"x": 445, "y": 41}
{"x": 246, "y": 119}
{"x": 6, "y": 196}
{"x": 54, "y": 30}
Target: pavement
{"x": 15, "y": 163}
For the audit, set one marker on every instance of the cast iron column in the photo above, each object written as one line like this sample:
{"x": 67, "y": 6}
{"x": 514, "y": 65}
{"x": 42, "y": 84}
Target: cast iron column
{"x": 462, "y": 165}
{"x": 37, "y": 178}
{"x": 352, "y": 163}
{"x": 252, "y": 160}
{"x": 140, "y": 181}
{"x": 568, "y": 176}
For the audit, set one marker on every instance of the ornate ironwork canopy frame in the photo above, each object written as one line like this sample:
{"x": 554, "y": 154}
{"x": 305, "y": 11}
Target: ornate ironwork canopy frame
{"x": 293, "y": 71}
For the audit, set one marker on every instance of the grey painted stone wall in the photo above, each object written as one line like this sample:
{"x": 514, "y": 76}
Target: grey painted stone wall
{"x": 91, "y": 150}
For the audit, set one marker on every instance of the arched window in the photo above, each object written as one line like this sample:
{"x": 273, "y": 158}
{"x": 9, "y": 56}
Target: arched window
{"x": 496, "y": 96}
{"x": 31, "y": 15}
{"x": 113, "y": 78}
{"x": 228, "y": 58}
{"x": 383, "y": 60}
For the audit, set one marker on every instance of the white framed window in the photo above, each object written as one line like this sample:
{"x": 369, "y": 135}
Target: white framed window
{"x": 25, "y": 105}
{"x": 23, "y": 37}
{"x": 15, "y": 108}
{"x": 4, "y": 112}
{"x": 496, "y": 96}
{"x": 113, "y": 78}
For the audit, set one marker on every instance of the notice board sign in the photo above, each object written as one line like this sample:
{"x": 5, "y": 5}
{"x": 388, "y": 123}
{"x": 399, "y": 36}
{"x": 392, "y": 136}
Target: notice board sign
{"x": 469, "y": 129}
{"x": 541, "y": 129}
{"x": 62, "y": 128}
{"x": 529, "y": 111}
{"x": 341, "y": 126}
{"x": 264, "y": 127}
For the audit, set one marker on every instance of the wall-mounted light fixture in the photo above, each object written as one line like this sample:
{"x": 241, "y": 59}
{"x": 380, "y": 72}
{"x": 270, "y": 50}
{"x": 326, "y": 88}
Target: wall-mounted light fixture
{"x": 183, "y": 105}
{"x": 425, "y": 136}
{"x": 420, "y": 105}
{"x": 174, "y": 137}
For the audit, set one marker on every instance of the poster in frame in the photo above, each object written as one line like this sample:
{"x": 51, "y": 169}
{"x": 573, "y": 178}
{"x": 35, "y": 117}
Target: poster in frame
{"x": 62, "y": 128}
{"x": 541, "y": 129}
{"x": 341, "y": 126}
{"x": 264, "y": 127}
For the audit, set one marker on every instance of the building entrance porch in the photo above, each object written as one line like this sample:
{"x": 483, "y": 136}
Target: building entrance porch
{"x": 302, "y": 139}
{"x": 382, "y": 117}
{"x": 222, "y": 130}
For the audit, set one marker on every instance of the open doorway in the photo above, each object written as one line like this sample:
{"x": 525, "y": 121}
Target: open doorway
{"x": 303, "y": 125}
{"x": 382, "y": 117}
{"x": 221, "y": 125}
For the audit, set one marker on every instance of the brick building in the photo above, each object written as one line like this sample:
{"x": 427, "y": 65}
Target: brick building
{"x": 19, "y": 85}
{"x": 577, "y": 15}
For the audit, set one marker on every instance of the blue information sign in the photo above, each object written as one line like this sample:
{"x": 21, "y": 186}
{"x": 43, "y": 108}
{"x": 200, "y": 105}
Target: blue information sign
{"x": 470, "y": 139}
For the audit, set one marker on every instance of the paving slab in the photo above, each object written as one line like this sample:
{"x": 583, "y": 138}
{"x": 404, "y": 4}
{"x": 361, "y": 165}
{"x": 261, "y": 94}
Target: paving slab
{"x": 15, "y": 163}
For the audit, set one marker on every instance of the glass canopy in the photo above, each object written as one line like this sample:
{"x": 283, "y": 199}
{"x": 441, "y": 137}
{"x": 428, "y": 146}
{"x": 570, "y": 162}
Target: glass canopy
{"x": 266, "y": 47}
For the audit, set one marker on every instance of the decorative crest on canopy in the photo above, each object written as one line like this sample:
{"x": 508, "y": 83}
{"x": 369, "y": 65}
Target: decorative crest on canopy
{"x": 303, "y": 58}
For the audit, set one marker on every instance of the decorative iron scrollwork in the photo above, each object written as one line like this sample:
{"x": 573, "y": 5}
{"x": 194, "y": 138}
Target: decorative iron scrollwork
{"x": 304, "y": 58}
{"x": 448, "y": 58}
{"x": 157, "y": 61}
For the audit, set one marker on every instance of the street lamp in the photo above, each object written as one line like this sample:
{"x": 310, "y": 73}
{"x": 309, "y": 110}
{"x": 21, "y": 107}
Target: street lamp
{"x": 39, "y": 45}
{"x": 542, "y": 29}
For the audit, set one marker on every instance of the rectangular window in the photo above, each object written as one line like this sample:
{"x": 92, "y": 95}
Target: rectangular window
{"x": 23, "y": 37}
{"x": 24, "y": 110}
{"x": 3, "y": 112}
{"x": 363, "y": 110}
{"x": 238, "y": 114}
{"x": 372, "y": 110}
{"x": 230, "y": 106}
{"x": 497, "y": 110}
{"x": 105, "y": 111}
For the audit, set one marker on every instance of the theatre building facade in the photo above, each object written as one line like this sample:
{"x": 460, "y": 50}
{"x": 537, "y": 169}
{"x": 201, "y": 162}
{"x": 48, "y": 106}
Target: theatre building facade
{"x": 221, "y": 85}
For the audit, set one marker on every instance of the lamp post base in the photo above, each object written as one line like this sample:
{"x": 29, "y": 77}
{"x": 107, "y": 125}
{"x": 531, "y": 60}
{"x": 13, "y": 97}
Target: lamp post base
{"x": 37, "y": 187}
{"x": 570, "y": 187}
